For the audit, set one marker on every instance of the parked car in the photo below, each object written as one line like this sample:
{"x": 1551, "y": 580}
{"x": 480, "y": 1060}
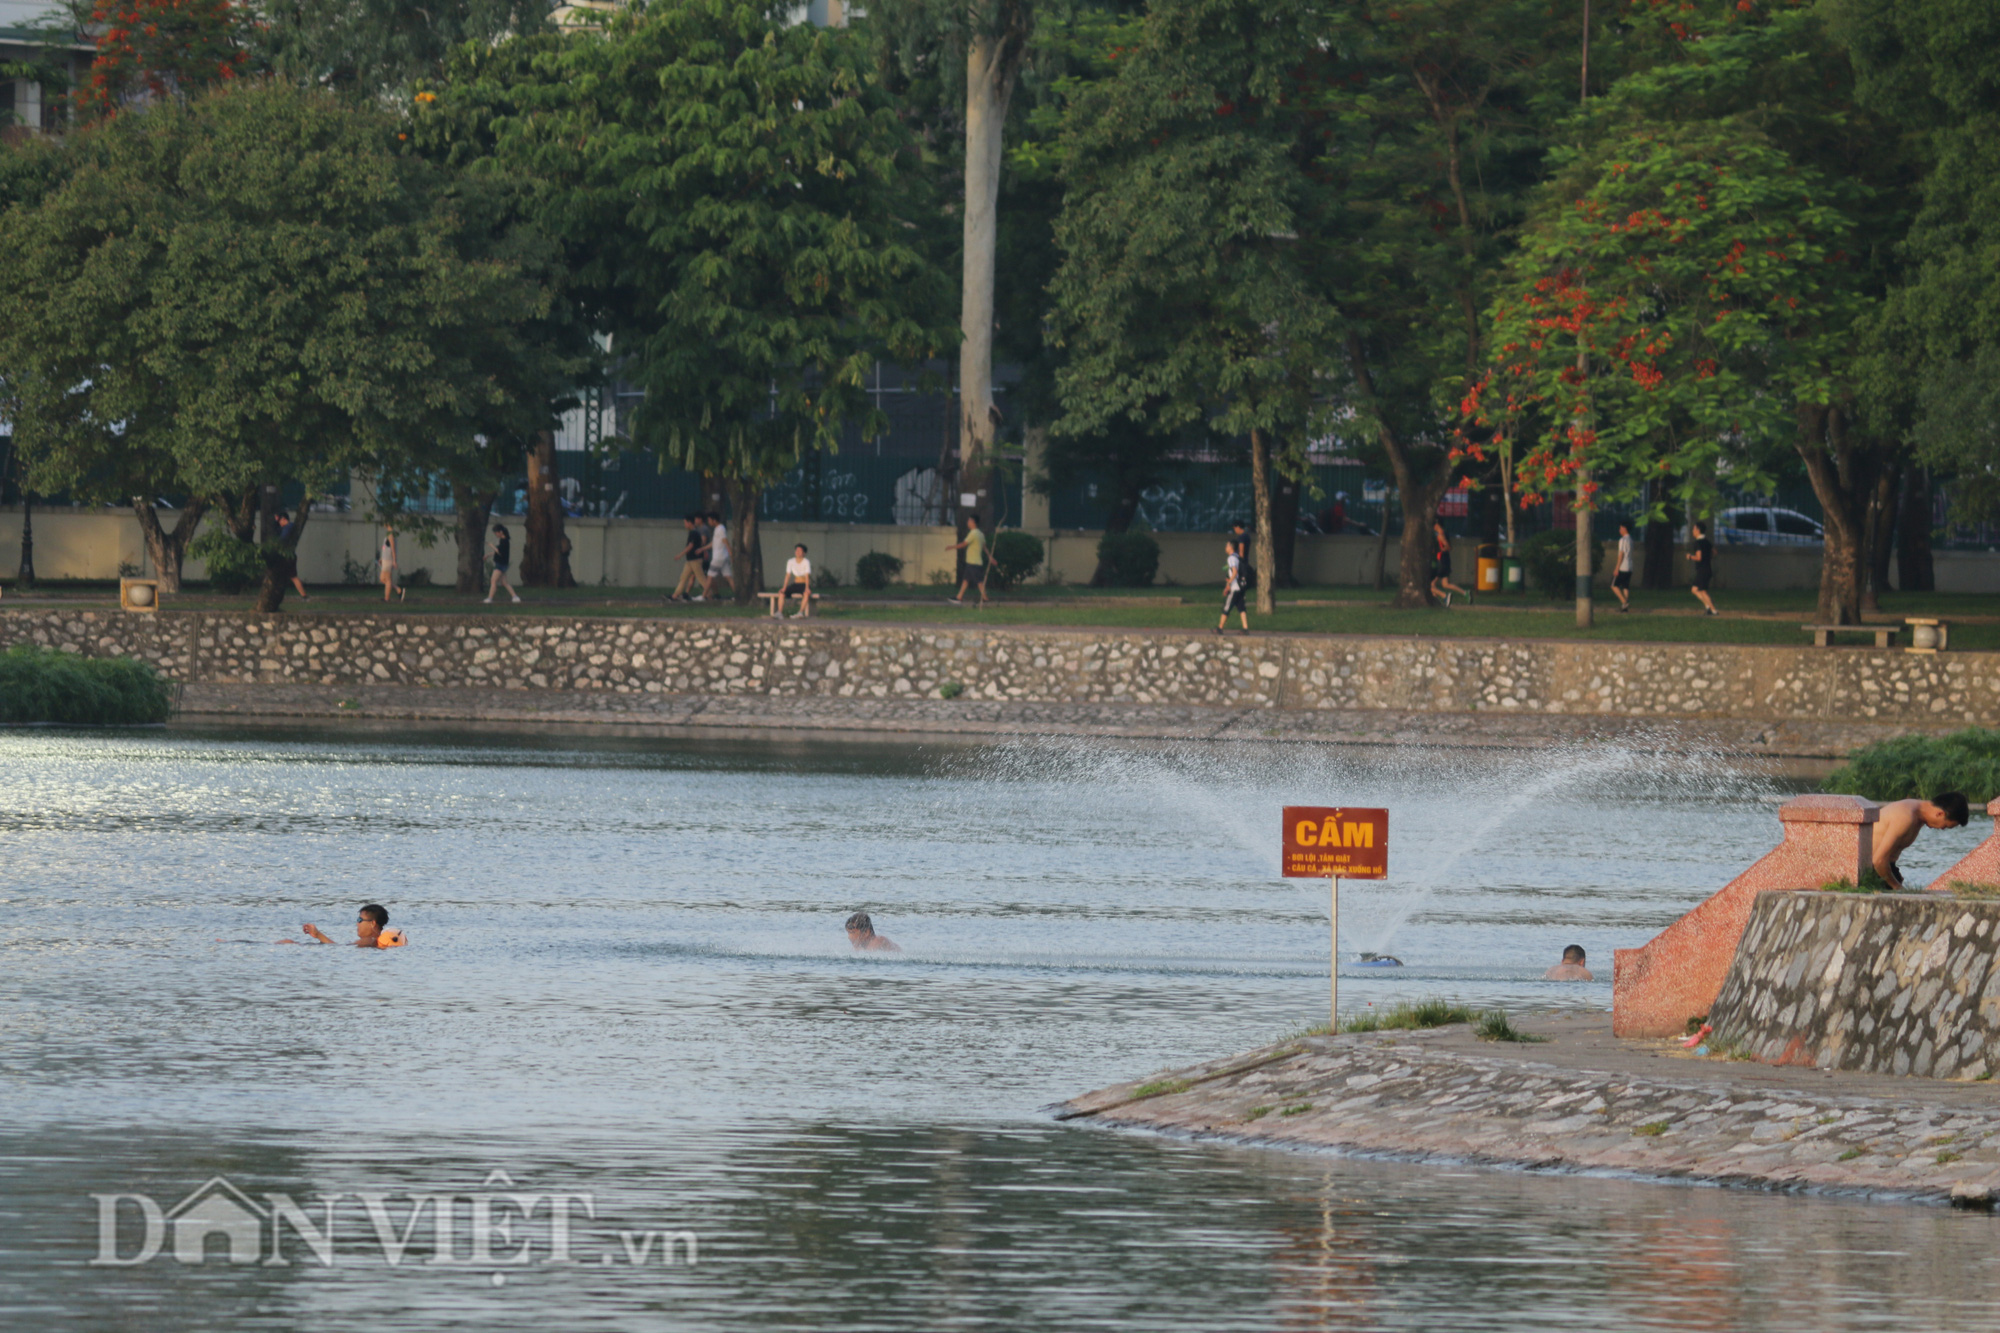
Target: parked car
{"x": 1756, "y": 526}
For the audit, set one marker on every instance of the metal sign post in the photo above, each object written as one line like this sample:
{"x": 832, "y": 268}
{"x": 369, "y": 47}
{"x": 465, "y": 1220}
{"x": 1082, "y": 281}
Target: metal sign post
{"x": 1341, "y": 844}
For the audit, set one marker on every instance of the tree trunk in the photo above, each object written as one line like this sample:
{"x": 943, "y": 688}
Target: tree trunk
{"x": 167, "y": 549}
{"x": 1284, "y": 532}
{"x": 1265, "y": 560}
{"x": 1586, "y": 552}
{"x": 1879, "y": 528}
{"x": 281, "y": 564}
{"x": 25, "y": 578}
{"x": 1914, "y": 569}
{"x": 1832, "y": 464}
{"x": 1382, "y": 551}
{"x": 541, "y": 546}
{"x": 747, "y": 550}
{"x": 239, "y": 513}
{"x": 267, "y": 514}
{"x": 992, "y": 65}
{"x": 1419, "y": 501}
{"x": 474, "y": 509}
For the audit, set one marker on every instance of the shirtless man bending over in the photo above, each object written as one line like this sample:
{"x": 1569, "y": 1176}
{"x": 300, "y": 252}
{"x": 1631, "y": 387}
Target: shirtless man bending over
{"x": 1899, "y": 822}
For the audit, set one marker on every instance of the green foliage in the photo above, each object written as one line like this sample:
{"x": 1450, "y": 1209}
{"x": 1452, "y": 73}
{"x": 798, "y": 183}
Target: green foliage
{"x": 1016, "y": 557}
{"x": 1410, "y": 1015}
{"x": 43, "y": 685}
{"x": 1653, "y": 1129}
{"x": 1870, "y": 882}
{"x": 1132, "y": 557}
{"x": 1493, "y": 1025}
{"x": 260, "y": 285}
{"x": 233, "y": 564}
{"x": 734, "y": 187}
{"x": 877, "y": 570}
{"x": 1549, "y": 558}
{"x": 1923, "y": 766}
{"x": 951, "y": 689}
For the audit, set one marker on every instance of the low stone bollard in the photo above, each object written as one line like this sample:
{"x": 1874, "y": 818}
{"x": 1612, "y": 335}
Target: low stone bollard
{"x": 1886, "y": 983}
{"x": 1658, "y": 988}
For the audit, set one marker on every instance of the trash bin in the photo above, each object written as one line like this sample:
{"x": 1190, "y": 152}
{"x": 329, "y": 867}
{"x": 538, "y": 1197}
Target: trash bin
{"x": 1512, "y": 576}
{"x": 1489, "y": 570}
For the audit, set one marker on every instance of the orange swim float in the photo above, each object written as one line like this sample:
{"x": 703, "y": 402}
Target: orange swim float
{"x": 391, "y": 939}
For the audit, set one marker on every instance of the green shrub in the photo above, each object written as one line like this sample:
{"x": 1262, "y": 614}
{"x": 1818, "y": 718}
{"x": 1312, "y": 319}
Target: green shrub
{"x": 1550, "y": 561}
{"x": 877, "y": 570}
{"x": 1923, "y": 766}
{"x": 1408, "y": 1016}
{"x": 1133, "y": 558}
{"x": 43, "y": 685}
{"x": 824, "y": 580}
{"x": 1016, "y": 557}
{"x": 233, "y": 564}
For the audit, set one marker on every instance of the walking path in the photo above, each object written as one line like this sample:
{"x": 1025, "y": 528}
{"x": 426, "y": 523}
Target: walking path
{"x": 1581, "y": 1101}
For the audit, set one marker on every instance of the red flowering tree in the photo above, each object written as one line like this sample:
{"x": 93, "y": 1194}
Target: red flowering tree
{"x": 1679, "y": 300}
{"x": 159, "y": 48}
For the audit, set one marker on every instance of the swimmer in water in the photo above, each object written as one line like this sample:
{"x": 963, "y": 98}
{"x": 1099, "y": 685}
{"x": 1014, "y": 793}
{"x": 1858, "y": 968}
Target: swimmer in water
{"x": 1571, "y": 968}
{"x": 371, "y": 931}
{"x": 861, "y": 934}
{"x": 1898, "y": 823}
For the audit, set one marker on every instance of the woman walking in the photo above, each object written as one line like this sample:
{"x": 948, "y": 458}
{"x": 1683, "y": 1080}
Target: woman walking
{"x": 502, "y": 553}
{"x": 1441, "y": 584}
{"x": 387, "y": 562}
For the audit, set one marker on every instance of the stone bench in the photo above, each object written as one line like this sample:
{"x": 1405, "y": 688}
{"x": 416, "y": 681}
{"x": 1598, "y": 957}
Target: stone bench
{"x": 1885, "y": 635}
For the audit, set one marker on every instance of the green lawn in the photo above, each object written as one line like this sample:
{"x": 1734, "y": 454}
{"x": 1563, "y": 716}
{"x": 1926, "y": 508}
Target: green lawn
{"x": 1766, "y": 617}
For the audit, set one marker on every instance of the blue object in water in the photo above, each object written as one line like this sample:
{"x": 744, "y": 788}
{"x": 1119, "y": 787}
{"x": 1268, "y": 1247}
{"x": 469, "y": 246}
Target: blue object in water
{"x": 1378, "y": 960}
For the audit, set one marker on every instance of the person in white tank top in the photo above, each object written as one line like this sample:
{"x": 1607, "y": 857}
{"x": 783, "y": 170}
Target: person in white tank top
{"x": 387, "y": 562}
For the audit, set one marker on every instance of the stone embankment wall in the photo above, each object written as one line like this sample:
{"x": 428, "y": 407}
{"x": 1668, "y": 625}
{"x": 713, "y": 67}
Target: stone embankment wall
{"x": 1886, "y": 983}
{"x": 845, "y": 659}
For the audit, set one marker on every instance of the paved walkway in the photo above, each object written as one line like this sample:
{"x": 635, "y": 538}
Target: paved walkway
{"x": 1582, "y": 1100}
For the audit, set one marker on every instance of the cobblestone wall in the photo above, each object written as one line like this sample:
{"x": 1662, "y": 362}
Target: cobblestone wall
{"x": 1888, "y": 983}
{"x": 1038, "y": 665}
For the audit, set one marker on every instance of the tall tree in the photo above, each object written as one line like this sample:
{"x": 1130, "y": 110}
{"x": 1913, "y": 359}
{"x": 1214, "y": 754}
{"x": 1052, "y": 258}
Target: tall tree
{"x": 1186, "y": 295}
{"x": 256, "y": 287}
{"x": 738, "y": 196}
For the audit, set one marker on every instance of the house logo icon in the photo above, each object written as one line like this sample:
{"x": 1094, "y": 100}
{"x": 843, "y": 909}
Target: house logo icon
{"x": 217, "y": 1208}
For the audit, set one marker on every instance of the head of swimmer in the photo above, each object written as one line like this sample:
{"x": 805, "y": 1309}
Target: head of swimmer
{"x": 860, "y": 930}
{"x": 368, "y": 926}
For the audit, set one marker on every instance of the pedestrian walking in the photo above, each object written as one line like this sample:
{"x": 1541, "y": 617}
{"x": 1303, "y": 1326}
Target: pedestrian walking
{"x": 692, "y": 567}
{"x": 974, "y": 547}
{"x": 502, "y": 556}
{"x": 1701, "y": 553}
{"x": 1441, "y": 584}
{"x": 387, "y": 567}
{"x": 292, "y": 560}
{"x": 719, "y": 565}
{"x": 1232, "y": 586}
{"x": 1621, "y": 576}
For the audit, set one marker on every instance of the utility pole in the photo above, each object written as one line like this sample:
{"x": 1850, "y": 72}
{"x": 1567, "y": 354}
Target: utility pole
{"x": 1585, "y": 616}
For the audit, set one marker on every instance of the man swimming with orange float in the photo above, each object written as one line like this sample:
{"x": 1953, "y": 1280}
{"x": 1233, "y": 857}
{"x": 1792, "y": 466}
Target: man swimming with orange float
{"x": 371, "y": 930}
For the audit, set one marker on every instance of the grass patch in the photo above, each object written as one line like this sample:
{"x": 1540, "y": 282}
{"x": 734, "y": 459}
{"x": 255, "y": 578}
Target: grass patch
{"x": 951, "y": 689}
{"x": 1654, "y": 1129}
{"x": 1961, "y": 888}
{"x": 1409, "y": 1016}
{"x": 1850, "y": 1154}
{"x": 1948, "y": 1156}
{"x": 1493, "y": 1026}
{"x": 1164, "y": 1087}
{"x": 1870, "y": 883}
{"x": 1258, "y": 1113}
{"x": 1300, "y": 1109}
{"x": 43, "y": 685}
{"x": 1922, "y": 766}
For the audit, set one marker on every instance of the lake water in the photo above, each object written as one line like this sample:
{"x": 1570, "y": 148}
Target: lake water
{"x": 627, "y": 985}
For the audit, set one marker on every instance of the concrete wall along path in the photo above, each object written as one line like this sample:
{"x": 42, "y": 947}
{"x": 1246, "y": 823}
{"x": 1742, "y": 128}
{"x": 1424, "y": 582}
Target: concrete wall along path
{"x": 850, "y": 659}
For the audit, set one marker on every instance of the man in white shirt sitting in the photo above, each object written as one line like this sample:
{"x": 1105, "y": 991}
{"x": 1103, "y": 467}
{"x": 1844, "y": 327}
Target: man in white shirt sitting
{"x": 798, "y": 578}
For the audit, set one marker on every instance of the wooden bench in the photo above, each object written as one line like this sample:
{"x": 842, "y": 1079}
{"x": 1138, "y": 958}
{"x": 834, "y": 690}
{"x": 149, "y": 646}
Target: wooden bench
{"x": 1885, "y": 635}
{"x": 774, "y": 600}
